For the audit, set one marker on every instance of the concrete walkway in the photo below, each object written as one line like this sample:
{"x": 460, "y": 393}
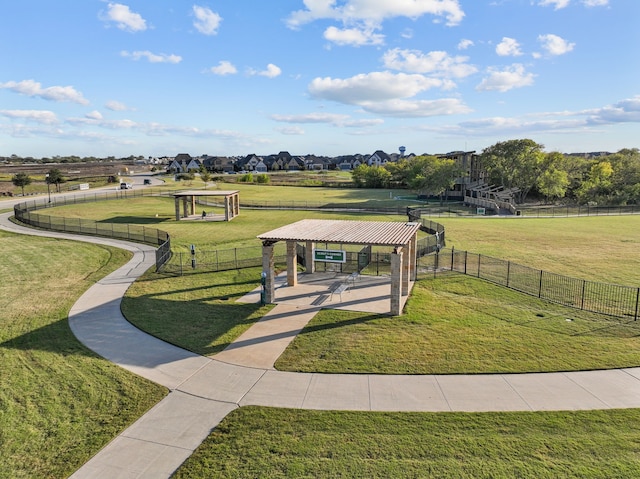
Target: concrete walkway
{"x": 203, "y": 390}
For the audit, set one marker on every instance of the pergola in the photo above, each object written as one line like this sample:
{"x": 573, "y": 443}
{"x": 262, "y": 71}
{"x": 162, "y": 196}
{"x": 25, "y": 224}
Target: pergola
{"x": 401, "y": 236}
{"x": 231, "y": 202}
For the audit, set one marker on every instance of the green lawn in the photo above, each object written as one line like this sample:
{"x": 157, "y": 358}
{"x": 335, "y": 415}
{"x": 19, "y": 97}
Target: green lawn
{"x": 459, "y": 324}
{"x": 598, "y": 248}
{"x": 280, "y": 443}
{"x": 59, "y": 402}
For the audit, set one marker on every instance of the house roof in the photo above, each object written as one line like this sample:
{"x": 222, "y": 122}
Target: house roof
{"x": 379, "y": 233}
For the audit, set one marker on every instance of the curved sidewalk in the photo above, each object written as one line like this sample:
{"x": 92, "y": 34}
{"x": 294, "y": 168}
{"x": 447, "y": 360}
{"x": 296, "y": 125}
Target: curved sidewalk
{"x": 204, "y": 390}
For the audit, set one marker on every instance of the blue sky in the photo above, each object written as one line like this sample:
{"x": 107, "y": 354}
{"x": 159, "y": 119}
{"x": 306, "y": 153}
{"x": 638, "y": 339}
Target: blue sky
{"x": 330, "y": 77}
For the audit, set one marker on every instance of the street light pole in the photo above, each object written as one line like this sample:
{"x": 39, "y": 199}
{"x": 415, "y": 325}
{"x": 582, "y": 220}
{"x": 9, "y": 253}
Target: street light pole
{"x": 48, "y": 186}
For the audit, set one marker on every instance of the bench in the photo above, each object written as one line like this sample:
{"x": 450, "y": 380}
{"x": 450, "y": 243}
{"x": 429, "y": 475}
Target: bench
{"x": 352, "y": 277}
{"x": 339, "y": 289}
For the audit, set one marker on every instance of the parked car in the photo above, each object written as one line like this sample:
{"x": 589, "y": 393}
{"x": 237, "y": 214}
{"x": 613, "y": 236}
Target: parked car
{"x": 126, "y": 186}
{"x": 147, "y": 181}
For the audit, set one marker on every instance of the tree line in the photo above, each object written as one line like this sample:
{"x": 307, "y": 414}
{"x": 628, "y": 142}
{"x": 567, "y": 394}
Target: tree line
{"x": 523, "y": 167}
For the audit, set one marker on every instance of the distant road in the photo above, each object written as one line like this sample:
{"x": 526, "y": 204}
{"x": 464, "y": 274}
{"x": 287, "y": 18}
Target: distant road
{"x": 137, "y": 179}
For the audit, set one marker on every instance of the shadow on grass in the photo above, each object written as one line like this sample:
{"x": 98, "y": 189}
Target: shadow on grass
{"x": 137, "y": 220}
{"x": 55, "y": 337}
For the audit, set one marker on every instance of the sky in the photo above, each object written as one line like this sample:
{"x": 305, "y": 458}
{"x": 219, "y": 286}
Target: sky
{"x": 325, "y": 77}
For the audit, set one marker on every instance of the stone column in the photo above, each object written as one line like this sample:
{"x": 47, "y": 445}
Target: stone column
{"x": 396, "y": 282}
{"x": 193, "y": 205}
{"x": 226, "y": 208}
{"x": 309, "y": 264}
{"x": 267, "y": 269}
{"x": 177, "y": 201}
{"x": 236, "y": 202}
{"x": 185, "y": 208}
{"x": 413, "y": 258}
{"x": 406, "y": 269}
{"x": 292, "y": 264}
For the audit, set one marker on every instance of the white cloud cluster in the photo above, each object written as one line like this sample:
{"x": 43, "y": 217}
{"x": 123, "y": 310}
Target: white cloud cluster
{"x": 53, "y": 93}
{"x": 361, "y": 19}
{"x": 124, "y": 18}
{"x": 334, "y": 119}
{"x": 353, "y": 36}
{"x": 223, "y": 68}
{"x": 438, "y": 63}
{"x": 508, "y": 47}
{"x": 554, "y": 45}
{"x": 114, "y": 105}
{"x": 38, "y": 116}
{"x": 207, "y": 21}
{"x": 559, "y": 4}
{"x": 152, "y": 57}
{"x": 504, "y": 80}
{"x": 387, "y": 93}
{"x": 465, "y": 43}
{"x": 375, "y": 11}
{"x": 271, "y": 71}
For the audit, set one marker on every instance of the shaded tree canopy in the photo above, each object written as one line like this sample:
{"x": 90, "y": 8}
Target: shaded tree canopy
{"x": 21, "y": 180}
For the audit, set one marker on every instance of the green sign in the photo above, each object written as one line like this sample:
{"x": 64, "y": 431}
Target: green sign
{"x": 330, "y": 256}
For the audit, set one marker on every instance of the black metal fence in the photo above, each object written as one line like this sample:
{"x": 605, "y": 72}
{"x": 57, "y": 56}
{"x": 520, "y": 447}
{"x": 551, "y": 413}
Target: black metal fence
{"x": 610, "y": 299}
{"x": 27, "y": 213}
{"x": 585, "y": 210}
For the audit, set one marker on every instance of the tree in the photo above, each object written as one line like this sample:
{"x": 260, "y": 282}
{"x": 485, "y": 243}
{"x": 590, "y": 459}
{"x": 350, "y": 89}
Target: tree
{"x": 432, "y": 175}
{"x": 365, "y": 176}
{"x": 514, "y": 164}
{"x": 21, "y": 180}
{"x": 54, "y": 177}
{"x": 597, "y": 188}
{"x": 205, "y": 176}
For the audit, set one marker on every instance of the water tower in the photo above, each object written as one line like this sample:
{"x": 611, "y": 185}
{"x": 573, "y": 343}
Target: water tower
{"x": 402, "y": 150}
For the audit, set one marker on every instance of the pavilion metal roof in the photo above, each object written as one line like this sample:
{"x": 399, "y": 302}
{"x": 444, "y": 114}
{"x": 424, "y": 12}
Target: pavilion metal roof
{"x": 382, "y": 233}
{"x": 205, "y": 193}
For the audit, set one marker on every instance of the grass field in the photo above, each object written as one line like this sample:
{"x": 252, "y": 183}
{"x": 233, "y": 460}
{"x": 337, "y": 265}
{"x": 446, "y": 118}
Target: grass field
{"x": 281, "y": 443}
{"x": 59, "y": 402}
{"x": 498, "y": 323}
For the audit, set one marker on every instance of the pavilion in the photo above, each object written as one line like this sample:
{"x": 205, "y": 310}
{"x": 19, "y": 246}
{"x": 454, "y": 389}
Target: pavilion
{"x": 231, "y": 202}
{"x": 401, "y": 236}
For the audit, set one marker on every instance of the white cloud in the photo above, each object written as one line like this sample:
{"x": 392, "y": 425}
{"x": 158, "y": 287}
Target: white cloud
{"x": 508, "y": 47}
{"x": 224, "y": 68}
{"x": 94, "y": 115}
{"x": 53, "y": 93}
{"x": 38, "y": 116}
{"x": 334, "y": 119}
{"x": 152, "y": 57}
{"x": 417, "y": 108}
{"x": 371, "y": 87}
{"x": 291, "y": 130}
{"x": 555, "y": 45}
{"x": 207, "y": 21}
{"x": 311, "y": 118}
{"x": 557, "y": 4}
{"x": 375, "y": 11}
{"x": 114, "y": 105}
{"x": 272, "y": 71}
{"x": 511, "y": 77}
{"x": 436, "y": 62}
{"x": 464, "y": 44}
{"x": 625, "y": 111}
{"x": 353, "y": 36}
{"x": 124, "y": 18}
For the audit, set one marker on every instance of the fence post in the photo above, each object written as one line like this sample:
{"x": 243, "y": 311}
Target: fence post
{"x": 508, "y": 272}
{"x": 540, "y": 285}
{"x": 466, "y": 253}
{"x": 635, "y": 317}
{"x": 584, "y": 288}
{"x": 235, "y": 255}
{"x": 479, "y": 256}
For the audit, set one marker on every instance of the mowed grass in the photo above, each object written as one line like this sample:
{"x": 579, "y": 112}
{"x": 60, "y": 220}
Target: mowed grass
{"x": 458, "y": 324}
{"x": 283, "y": 443}
{"x": 597, "y": 248}
{"x": 59, "y": 402}
{"x": 206, "y": 235}
{"x": 198, "y": 312}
